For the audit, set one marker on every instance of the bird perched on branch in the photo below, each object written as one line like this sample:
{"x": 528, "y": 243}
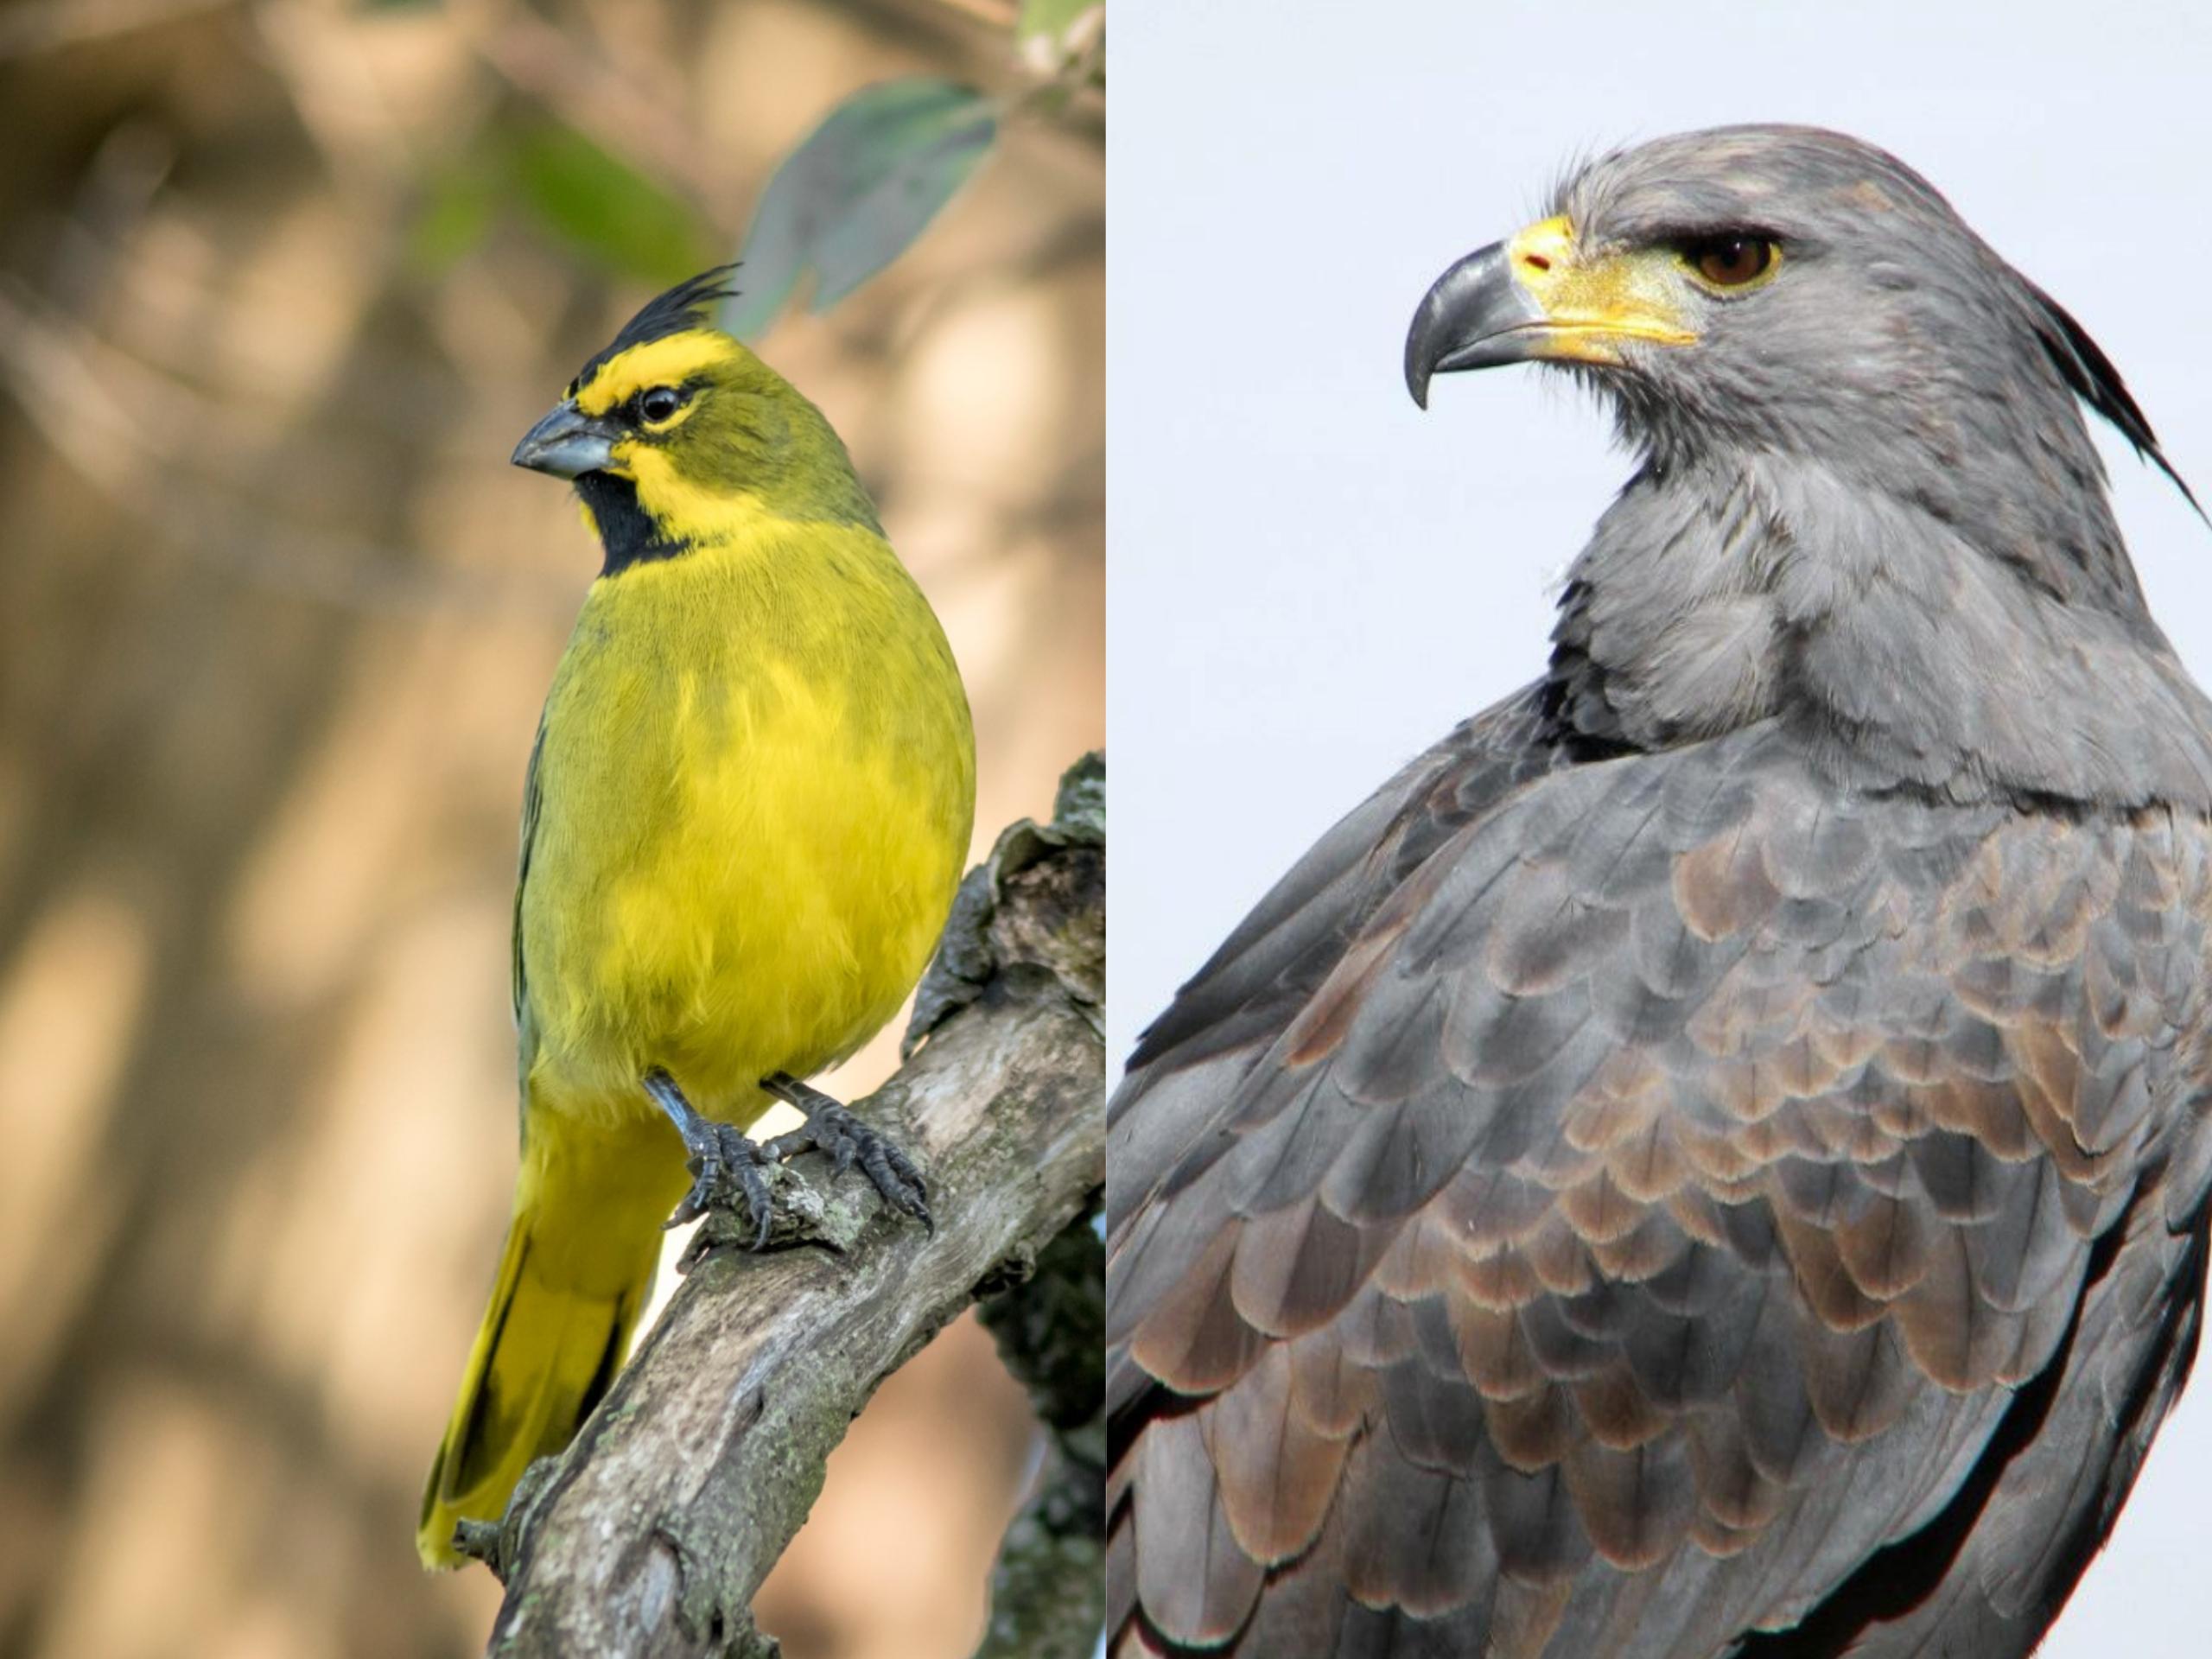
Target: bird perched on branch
{"x": 746, "y": 810}
{"x": 1712, "y": 1159}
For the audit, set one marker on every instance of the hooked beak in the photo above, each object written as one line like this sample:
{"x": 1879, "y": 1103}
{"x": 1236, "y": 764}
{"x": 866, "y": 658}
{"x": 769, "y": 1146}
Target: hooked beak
{"x": 1476, "y": 316}
{"x": 1536, "y": 298}
{"x": 565, "y": 444}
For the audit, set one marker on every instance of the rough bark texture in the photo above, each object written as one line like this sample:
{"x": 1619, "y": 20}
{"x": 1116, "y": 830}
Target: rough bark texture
{"x": 650, "y": 1533}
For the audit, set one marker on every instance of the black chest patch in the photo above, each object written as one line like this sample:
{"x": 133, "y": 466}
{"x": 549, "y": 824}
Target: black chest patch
{"x": 629, "y": 533}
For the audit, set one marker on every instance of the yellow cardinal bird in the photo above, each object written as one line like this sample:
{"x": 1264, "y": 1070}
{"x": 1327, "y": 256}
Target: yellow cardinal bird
{"x": 746, "y": 812}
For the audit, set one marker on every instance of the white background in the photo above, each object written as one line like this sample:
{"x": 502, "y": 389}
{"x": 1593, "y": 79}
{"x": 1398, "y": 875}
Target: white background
{"x": 1309, "y": 581}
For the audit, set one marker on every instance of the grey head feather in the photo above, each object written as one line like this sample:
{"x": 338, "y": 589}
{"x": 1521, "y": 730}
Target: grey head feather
{"x": 1867, "y": 500}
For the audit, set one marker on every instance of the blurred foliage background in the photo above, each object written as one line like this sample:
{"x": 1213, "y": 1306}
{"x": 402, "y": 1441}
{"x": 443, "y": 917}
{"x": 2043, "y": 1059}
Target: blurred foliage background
{"x": 281, "y": 283}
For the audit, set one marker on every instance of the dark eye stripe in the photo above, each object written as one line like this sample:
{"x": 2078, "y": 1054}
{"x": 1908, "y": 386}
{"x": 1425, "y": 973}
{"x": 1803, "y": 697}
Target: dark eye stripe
{"x": 658, "y": 403}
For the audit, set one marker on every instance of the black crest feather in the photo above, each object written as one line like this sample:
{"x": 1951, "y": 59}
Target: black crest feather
{"x": 2097, "y": 383}
{"x": 671, "y": 313}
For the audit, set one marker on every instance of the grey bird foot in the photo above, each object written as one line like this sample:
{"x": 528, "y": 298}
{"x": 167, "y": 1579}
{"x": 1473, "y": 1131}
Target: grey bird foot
{"x": 728, "y": 1169}
{"x": 832, "y": 1128}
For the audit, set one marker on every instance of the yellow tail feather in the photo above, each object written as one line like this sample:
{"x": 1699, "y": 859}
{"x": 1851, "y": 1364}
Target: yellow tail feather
{"x": 574, "y": 1275}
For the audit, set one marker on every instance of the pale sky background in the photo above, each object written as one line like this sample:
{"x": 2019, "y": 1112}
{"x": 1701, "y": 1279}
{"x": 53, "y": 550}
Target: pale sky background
{"x": 1309, "y": 581}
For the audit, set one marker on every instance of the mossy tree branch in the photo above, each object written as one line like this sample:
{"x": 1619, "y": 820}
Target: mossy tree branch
{"x": 652, "y": 1533}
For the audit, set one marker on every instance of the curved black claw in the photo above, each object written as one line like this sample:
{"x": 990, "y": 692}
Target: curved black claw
{"x": 830, "y": 1127}
{"x": 726, "y": 1167}
{"x": 729, "y": 1172}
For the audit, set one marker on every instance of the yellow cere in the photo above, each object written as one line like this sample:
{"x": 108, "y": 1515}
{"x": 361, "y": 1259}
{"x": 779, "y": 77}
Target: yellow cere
{"x": 1592, "y": 302}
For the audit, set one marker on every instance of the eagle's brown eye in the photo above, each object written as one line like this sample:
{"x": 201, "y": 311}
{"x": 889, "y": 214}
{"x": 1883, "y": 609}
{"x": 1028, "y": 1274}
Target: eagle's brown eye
{"x": 1731, "y": 261}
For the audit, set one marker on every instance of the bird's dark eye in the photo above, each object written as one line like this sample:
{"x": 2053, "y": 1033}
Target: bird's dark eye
{"x": 659, "y": 404}
{"x": 1735, "y": 259}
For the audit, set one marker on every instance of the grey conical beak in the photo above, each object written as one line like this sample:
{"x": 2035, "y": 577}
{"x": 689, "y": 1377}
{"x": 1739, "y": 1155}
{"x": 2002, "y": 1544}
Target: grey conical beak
{"x": 566, "y": 443}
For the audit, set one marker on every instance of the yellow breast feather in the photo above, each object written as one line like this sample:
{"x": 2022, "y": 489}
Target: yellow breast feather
{"x": 759, "y": 784}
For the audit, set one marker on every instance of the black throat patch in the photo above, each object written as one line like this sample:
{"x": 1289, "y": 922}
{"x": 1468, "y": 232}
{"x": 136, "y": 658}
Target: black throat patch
{"x": 629, "y": 533}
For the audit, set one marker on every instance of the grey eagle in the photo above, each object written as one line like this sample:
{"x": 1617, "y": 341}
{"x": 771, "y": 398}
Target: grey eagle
{"x": 1711, "y": 1158}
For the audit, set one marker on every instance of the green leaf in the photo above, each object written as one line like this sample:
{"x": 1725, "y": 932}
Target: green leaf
{"x": 604, "y": 208}
{"x": 1053, "y": 34}
{"x": 863, "y": 186}
{"x": 459, "y": 202}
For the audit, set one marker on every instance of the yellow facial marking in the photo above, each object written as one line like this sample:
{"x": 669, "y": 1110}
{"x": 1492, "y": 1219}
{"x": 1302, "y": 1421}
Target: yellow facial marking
{"x": 668, "y": 361}
{"x": 1593, "y": 303}
{"x": 698, "y": 514}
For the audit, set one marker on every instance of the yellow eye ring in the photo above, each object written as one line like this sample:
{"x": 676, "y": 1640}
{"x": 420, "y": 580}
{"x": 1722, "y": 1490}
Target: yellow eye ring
{"x": 1732, "y": 262}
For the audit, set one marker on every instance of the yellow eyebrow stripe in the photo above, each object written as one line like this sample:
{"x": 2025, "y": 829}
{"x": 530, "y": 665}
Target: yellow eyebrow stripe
{"x": 668, "y": 361}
